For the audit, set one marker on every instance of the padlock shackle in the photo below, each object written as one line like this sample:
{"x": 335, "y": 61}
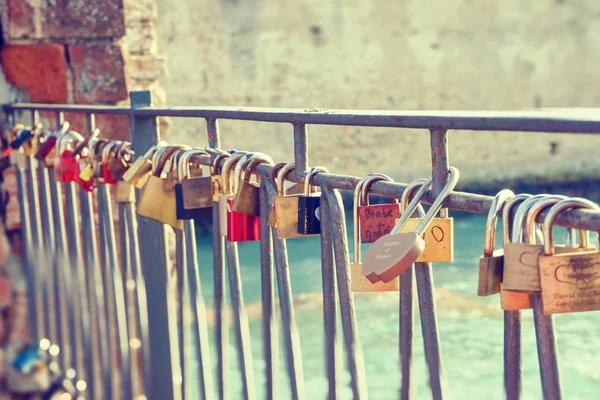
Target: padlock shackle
{"x": 215, "y": 168}
{"x": 274, "y": 172}
{"x": 518, "y": 232}
{"x": 172, "y": 162}
{"x": 86, "y": 141}
{"x": 501, "y": 198}
{"x": 407, "y": 212}
{"x": 213, "y": 151}
{"x": 62, "y": 130}
{"x": 407, "y": 194}
{"x": 226, "y": 170}
{"x": 160, "y": 157}
{"x": 507, "y": 222}
{"x": 249, "y": 165}
{"x": 108, "y": 149}
{"x": 453, "y": 176}
{"x": 554, "y": 212}
{"x": 283, "y": 172}
{"x": 533, "y": 212}
{"x": 309, "y": 176}
{"x": 367, "y": 181}
{"x": 183, "y": 167}
{"x": 67, "y": 137}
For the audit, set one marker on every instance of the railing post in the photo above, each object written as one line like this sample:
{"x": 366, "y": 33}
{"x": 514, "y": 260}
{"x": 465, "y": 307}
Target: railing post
{"x": 300, "y": 150}
{"x": 163, "y": 351}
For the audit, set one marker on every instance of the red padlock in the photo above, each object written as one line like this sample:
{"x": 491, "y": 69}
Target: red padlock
{"x": 375, "y": 220}
{"x": 67, "y": 167}
{"x": 236, "y": 226}
{"x": 107, "y": 153}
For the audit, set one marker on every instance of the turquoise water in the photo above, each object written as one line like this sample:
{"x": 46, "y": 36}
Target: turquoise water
{"x": 471, "y": 330}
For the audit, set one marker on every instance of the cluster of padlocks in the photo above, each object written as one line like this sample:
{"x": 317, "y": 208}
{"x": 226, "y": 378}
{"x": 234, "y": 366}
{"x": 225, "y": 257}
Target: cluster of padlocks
{"x": 530, "y": 273}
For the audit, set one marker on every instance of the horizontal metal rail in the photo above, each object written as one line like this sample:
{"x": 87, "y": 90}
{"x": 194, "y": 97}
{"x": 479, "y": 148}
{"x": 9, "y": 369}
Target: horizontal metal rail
{"x": 565, "y": 121}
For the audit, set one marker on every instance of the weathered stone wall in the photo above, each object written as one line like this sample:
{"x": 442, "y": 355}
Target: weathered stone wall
{"x": 83, "y": 52}
{"x": 390, "y": 55}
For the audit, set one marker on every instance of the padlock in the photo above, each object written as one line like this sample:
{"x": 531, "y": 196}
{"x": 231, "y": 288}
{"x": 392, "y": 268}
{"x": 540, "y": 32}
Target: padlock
{"x": 439, "y": 236}
{"x": 309, "y": 213}
{"x": 491, "y": 264}
{"x": 247, "y": 197}
{"x": 141, "y": 168}
{"x": 376, "y": 220}
{"x": 27, "y": 359}
{"x": 125, "y": 192}
{"x": 521, "y": 260}
{"x": 359, "y": 282}
{"x": 296, "y": 188}
{"x": 511, "y": 300}
{"x": 391, "y": 255}
{"x": 47, "y": 142}
{"x": 120, "y": 160}
{"x": 108, "y": 152}
{"x": 22, "y": 137}
{"x": 157, "y": 200}
{"x": 67, "y": 163}
{"x": 570, "y": 282}
{"x": 286, "y": 206}
{"x": 216, "y": 177}
{"x": 237, "y": 227}
{"x": 192, "y": 194}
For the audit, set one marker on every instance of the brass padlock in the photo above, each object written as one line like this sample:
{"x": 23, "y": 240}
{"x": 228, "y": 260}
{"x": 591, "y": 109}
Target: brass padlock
{"x": 120, "y": 160}
{"x": 296, "y": 188}
{"x": 193, "y": 192}
{"x": 216, "y": 177}
{"x": 125, "y": 192}
{"x": 141, "y": 168}
{"x": 359, "y": 282}
{"x": 570, "y": 281}
{"x": 439, "y": 236}
{"x": 521, "y": 260}
{"x": 247, "y": 197}
{"x": 286, "y": 206}
{"x": 511, "y": 300}
{"x": 157, "y": 201}
{"x": 492, "y": 261}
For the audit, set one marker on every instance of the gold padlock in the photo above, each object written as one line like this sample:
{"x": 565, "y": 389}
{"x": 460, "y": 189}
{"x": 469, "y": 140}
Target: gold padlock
{"x": 157, "y": 201}
{"x": 296, "y": 188}
{"x": 521, "y": 260}
{"x": 286, "y": 206}
{"x": 216, "y": 177}
{"x": 439, "y": 236}
{"x": 196, "y": 189}
{"x": 125, "y": 192}
{"x": 141, "y": 168}
{"x": 491, "y": 263}
{"x": 358, "y": 281}
{"x": 247, "y": 197}
{"x": 569, "y": 282}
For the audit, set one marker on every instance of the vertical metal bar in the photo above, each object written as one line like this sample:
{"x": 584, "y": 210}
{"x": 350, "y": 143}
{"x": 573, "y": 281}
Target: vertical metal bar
{"x": 180, "y": 268}
{"x": 46, "y": 258}
{"x": 354, "y": 354}
{"x": 270, "y": 342}
{"x": 36, "y": 245}
{"x": 200, "y": 325}
{"x": 141, "y": 307}
{"x": 100, "y": 355}
{"x": 512, "y": 354}
{"x": 300, "y": 149}
{"x": 62, "y": 270}
{"x": 82, "y": 339}
{"x": 329, "y": 299}
{"x": 291, "y": 335}
{"x": 114, "y": 291}
{"x": 242, "y": 330}
{"x": 153, "y": 251}
{"x": 221, "y": 323}
{"x": 547, "y": 352}
{"x": 439, "y": 162}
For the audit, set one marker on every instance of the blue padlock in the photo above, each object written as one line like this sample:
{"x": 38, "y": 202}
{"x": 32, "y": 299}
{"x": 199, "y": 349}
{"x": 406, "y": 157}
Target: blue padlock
{"x": 27, "y": 360}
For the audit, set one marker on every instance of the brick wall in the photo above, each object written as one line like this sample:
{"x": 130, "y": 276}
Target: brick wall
{"x": 82, "y": 52}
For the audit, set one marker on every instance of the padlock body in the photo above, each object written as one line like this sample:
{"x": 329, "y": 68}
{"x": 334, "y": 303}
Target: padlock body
{"x": 295, "y": 189}
{"x": 45, "y": 148}
{"x": 67, "y": 167}
{"x": 217, "y": 187}
{"x": 182, "y": 212}
{"x": 107, "y": 174}
{"x": 309, "y": 215}
{"x": 377, "y": 220}
{"x": 286, "y": 216}
{"x": 26, "y": 360}
{"x": 197, "y": 192}
{"x": 570, "y": 282}
{"x": 138, "y": 173}
{"x": 360, "y": 283}
{"x": 490, "y": 273}
{"x": 521, "y": 265}
{"x": 241, "y": 227}
{"x": 514, "y": 301}
{"x": 125, "y": 192}
{"x": 247, "y": 199}
{"x": 157, "y": 202}
{"x": 439, "y": 239}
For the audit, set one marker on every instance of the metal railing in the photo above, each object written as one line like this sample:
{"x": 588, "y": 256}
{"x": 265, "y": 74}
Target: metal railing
{"x": 144, "y": 254}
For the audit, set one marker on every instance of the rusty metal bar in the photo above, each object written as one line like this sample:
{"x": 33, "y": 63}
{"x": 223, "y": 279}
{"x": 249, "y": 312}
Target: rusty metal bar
{"x": 270, "y": 342}
{"x": 300, "y": 150}
{"x": 547, "y": 350}
{"x": 354, "y": 354}
{"x": 181, "y": 305}
{"x": 329, "y": 300}
{"x": 568, "y": 121}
